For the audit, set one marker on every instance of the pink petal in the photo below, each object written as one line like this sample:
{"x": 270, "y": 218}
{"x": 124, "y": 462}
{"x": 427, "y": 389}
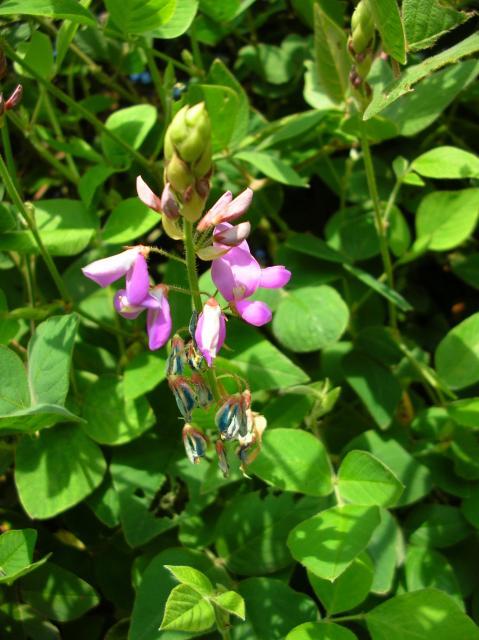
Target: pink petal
{"x": 210, "y": 330}
{"x": 274, "y": 277}
{"x": 147, "y": 196}
{"x": 220, "y": 205}
{"x": 137, "y": 281}
{"x": 232, "y": 236}
{"x": 254, "y": 312}
{"x": 158, "y": 325}
{"x": 107, "y": 270}
{"x": 124, "y": 307}
{"x": 239, "y": 206}
{"x": 169, "y": 206}
{"x": 237, "y": 274}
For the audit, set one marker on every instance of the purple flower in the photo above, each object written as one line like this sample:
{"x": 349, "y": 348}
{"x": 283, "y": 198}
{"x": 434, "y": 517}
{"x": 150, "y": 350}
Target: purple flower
{"x": 226, "y": 209}
{"x": 158, "y": 319}
{"x": 237, "y": 275}
{"x": 130, "y": 263}
{"x": 210, "y": 331}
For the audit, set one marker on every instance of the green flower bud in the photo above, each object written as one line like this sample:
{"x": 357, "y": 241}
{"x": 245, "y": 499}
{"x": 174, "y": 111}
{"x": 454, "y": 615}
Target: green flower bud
{"x": 193, "y": 206}
{"x": 362, "y": 27}
{"x": 188, "y": 134}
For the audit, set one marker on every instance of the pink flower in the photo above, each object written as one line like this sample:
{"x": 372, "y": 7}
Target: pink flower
{"x": 158, "y": 319}
{"x": 226, "y": 209}
{"x": 131, "y": 263}
{"x": 166, "y": 204}
{"x": 211, "y": 330}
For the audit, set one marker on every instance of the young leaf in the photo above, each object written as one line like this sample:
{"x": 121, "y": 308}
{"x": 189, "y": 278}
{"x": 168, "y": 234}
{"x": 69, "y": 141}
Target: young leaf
{"x": 180, "y": 21}
{"x": 192, "y": 578}
{"x": 231, "y": 602}
{"x": 363, "y": 479}
{"x": 447, "y": 163}
{"x": 331, "y": 56}
{"x": 187, "y": 610}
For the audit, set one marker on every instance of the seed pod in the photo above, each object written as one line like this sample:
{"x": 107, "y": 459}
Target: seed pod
{"x": 195, "y": 443}
{"x": 184, "y": 395}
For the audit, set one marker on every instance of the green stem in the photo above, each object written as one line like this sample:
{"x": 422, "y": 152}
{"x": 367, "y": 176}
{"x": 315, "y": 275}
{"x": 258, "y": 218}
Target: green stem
{"x": 195, "y": 292}
{"x": 7, "y": 149}
{"x": 157, "y": 80}
{"x": 358, "y": 616}
{"x": 379, "y": 220}
{"x": 168, "y": 255}
{"x": 18, "y": 202}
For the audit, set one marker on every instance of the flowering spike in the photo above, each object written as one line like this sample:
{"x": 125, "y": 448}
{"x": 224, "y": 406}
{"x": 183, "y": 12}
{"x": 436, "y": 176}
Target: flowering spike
{"x": 195, "y": 443}
{"x": 204, "y": 395}
{"x": 176, "y": 359}
{"x": 184, "y": 395}
{"x": 222, "y": 459}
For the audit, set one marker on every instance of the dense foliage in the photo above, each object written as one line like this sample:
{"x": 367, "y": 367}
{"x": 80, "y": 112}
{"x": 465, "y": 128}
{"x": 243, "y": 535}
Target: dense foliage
{"x": 355, "y": 514}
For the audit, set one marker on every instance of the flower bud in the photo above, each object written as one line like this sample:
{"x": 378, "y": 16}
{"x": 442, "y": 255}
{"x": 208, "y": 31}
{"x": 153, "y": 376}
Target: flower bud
{"x": 172, "y": 228}
{"x": 362, "y": 27}
{"x": 232, "y": 236}
{"x": 14, "y": 98}
{"x": 195, "y": 443}
{"x": 226, "y": 209}
{"x": 185, "y": 396}
{"x": 176, "y": 359}
{"x": 169, "y": 206}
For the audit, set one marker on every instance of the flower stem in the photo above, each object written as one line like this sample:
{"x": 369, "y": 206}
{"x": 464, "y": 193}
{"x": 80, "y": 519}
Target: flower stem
{"x": 195, "y": 292}
{"x": 18, "y": 202}
{"x": 379, "y": 220}
{"x": 171, "y": 256}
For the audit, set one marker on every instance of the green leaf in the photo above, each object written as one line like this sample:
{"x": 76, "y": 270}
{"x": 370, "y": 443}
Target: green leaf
{"x": 447, "y": 163}
{"x": 180, "y": 21}
{"x": 428, "y": 614}
{"x": 78, "y": 465}
{"x": 137, "y": 17}
{"x": 363, "y": 479}
{"x": 56, "y": 9}
{"x": 187, "y": 610}
{"x": 310, "y": 318}
{"x": 465, "y": 412}
{"x": 14, "y": 395}
{"x": 272, "y": 167}
{"x": 256, "y": 359}
{"x": 445, "y": 219}
{"x": 16, "y": 554}
{"x": 379, "y": 287}
{"x": 57, "y": 593}
{"x": 327, "y": 543}
{"x": 294, "y": 460}
{"x": 129, "y": 220}
{"x": 323, "y": 630}
{"x": 347, "y": 591}
{"x": 35, "y": 418}
{"x": 272, "y": 609}
{"x": 110, "y": 417}
{"x": 457, "y": 355}
{"x": 383, "y": 97}
{"x": 143, "y": 374}
{"x": 437, "y": 525}
{"x": 389, "y": 24}
{"x": 386, "y": 551}
{"x": 427, "y": 20}
{"x": 251, "y": 531}
{"x": 231, "y": 602}
{"x": 49, "y": 359}
{"x": 131, "y": 124}
{"x": 428, "y": 568}
{"x": 192, "y": 578}
{"x": 38, "y": 54}
{"x": 332, "y": 61}
{"x": 222, "y": 104}
{"x": 375, "y": 385}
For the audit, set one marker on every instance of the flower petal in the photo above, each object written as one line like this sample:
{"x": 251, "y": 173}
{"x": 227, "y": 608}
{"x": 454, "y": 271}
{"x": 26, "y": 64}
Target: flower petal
{"x": 254, "y": 312}
{"x": 137, "y": 281}
{"x": 210, "y": 331}
{"x": 232, "y": 236}
{"x": 237, "y": 274}
{"x": 107, "y": 270}
{"x": 147, "y": 196}
{"x": 220, "y": 205}
{"x": 274, "y": 277}
{"x": 124, "y": 307}
{"x": 158, "y": 324}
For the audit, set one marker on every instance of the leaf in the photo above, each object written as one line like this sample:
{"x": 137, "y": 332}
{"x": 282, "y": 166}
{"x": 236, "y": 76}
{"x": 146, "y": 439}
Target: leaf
{"x": 327, "y": 543}
{"x": 427, "y": 20}
{"x": 382, "y": 98}
{"x": 110, "y": 417}
{"x": 56, "y": 470}
{"x": 457, "y": 355}
{"x": 187, "y": 610}
{"x": 35, "y": 418}
{"x": 446, "y": 218}
{"x": 428, "y": 614}
{"x": 363, "y": 479}
{"x": 379, "y": 287}
{"x": 428, "y": 568}
{"x": 56, "y": 9}
{"x": 137, "y": 17}
{"x": 57, "y": 593}
{"x": 91, "y": 180}
{"x": 14, "y": 394}
{"x": 332, "y": 62}
{"x": 222, "y": 104}
{"x": 259, "y": 361}
{"x": 386, "y": 550}
{"x": 49, "y": 359}
{"x": 465, "y": 412}
{"x": 323, "y": 630}
{"x": 180, "y": 21}
{"x": 447, "y": 163}
{"x": 272, "y": 167}
{"x": 376, "y": 386}
{"x": 251, "y": 532}
{"x": 294, "y": 460}
{"x": 16, "y": 554}
{"x": 388, "y": 22}
{"x": 347, "y": 591}
{"x": 310, "y": 318}
{"x": 231, "y": 602}
{"x": 131, "y": 124}
{"x": 192, "y": 578}
{"x": 142, "y": 374}
{"x": 437, "y": 525}
{"x": 38, "y": 54}
{"x": 129, "y": 220}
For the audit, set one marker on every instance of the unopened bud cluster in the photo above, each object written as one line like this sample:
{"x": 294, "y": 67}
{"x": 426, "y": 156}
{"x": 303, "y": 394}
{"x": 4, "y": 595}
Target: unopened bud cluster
{"x": 361, "y": 44}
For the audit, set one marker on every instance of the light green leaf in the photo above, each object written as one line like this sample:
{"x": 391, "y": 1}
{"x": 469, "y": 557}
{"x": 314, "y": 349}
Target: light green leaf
{"x": 327, "y": 543}
{"x": 428, "y": 568}
{"x": 231, "y": 602}
{"x": 310, "y": 318}
{"x": 14, "y": 394}
{"x": 386, "y": 550}
{"x": 16, "y": 554}
{"x": 363, "y": 479}
{"x": 389, "y": 24}
{"x": 187, "y": 610}
{"x": 222, "y": 104}
{"x": 294, "y": 460}
{"x": 91, "y": 180}
{"x": 179, "y": 22}
{"x": 131, "y": 124}
{"x": 78, "y": 465}
{"x": 57, "y": 593}
{"x": 137, "y": 17}
{"x": 129, "y": 220}
{"x": 273, "y": 167}
{"x": 457, "y": 355}
{"x": 446, "y": 218}
{"x": 110, "y": 417}
{"x": 35, "y": 418}
{"x": 143, "y": 373}
{"x": 323, "y": 630}
{"x": 219, "y": 74}
{"x": 428, "y": 614}
{"x": 347, "y": 591}
{"x": 465, "y": 412}
{"x": 332, "y": 61}
{"x": 56, "y": 9}
{"x": 382, "y": 98}
{"x": 49, "y": 359}
{"x": 192, "y": 578}
{"x": 38, "y": 54}
{"x": 447, "y": 163}
{"x": 427, "y": 20}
